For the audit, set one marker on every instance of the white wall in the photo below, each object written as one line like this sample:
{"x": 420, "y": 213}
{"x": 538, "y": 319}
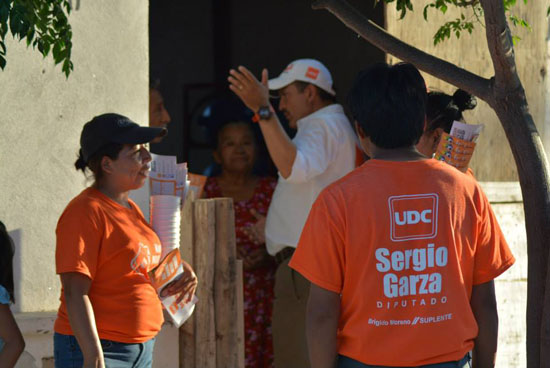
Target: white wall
{"x": 511, "y": 286}
{"x": 41, "y": 116}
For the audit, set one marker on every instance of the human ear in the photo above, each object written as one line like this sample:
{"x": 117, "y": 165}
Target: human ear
{"x": 311, "y": 92}
{"x": 106, "y": 165}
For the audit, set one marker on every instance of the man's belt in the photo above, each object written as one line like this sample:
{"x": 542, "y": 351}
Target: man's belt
{"x": 284, "y": 254}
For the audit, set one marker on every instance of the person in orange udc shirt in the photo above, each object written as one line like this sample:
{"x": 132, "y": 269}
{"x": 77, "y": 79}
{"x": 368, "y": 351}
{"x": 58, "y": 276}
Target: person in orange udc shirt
{"x": 401, "y": 252}
{"x": 110, "y": 312}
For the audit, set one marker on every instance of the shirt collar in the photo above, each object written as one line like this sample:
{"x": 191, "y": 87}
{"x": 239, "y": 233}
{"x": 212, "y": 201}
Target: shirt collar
{"x": 330, "y": 109}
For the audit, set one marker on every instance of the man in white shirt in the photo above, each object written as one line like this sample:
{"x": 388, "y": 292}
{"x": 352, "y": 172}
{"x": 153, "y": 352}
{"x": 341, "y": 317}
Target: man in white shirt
{"x": 323, "y": 150}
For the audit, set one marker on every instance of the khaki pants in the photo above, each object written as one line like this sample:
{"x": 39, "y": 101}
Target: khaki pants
{"x": 289, "y": 318}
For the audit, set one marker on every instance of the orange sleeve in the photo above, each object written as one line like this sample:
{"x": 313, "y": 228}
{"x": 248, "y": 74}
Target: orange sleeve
{"x": 492, "y": 256}
{"x": 320, "y": 255}
{"x": 78, "y": 240}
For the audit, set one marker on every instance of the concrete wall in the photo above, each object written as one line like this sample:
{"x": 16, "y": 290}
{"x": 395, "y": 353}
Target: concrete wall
{"x": 511, "y": 286}
{"x": 41, "y": 117}
{"x": 492, "y": 160}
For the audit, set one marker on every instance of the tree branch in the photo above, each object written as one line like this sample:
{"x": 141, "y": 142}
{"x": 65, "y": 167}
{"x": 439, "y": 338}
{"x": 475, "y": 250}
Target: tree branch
{"x": 377, "y": 36}
{"x": 501, "y": 47}
{"x": 466, "y": 4}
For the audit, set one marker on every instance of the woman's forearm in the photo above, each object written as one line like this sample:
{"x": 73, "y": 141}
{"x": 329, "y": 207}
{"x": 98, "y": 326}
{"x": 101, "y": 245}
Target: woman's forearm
{"x": 11, "y": 335}
{"x": 82, "y": 320}
{"x": 10, "y": 353}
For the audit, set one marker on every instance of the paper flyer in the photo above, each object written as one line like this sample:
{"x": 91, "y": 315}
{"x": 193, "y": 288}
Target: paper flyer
{"x": 168, "y": 270}
{"x": 466, "y": 132}
{"x": 457, "y": 148}
{"x": 196, "y": 183}
{"x": 162, "y": 177}
{"x": 167, "y": 177}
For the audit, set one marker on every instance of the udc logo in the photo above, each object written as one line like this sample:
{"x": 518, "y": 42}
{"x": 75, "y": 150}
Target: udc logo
{"x": 413, "y": 216}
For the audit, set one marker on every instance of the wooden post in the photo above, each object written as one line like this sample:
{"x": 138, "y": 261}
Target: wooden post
{"x": 187, "y": 330}
{"x": 225, "y": 285}
{"x": 205, "y": 329}
{"x": 240, "y": 316}
{"x": 213, "y": 337}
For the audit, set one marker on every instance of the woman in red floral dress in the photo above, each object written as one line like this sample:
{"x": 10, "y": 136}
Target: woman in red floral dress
{"x": 236, "y": 154}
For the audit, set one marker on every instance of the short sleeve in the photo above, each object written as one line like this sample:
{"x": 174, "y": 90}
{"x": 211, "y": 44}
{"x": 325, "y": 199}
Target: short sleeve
{"x": 315, "y": 150}
{"x": 4, "y": 295}
{"x": 78, "y": 240}
{"x": 320, "y": 255}
{"x": 492, "y": 256}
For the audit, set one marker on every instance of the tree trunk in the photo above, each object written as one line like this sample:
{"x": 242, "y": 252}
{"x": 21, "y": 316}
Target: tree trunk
{"x": 505, "y": 94}
{"x": 509, "y": 102}
{"x": 512, "y": 110}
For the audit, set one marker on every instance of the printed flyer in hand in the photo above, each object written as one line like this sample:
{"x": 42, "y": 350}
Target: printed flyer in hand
{"x": 457, "y": 148}
{"x": 168, "y": 270}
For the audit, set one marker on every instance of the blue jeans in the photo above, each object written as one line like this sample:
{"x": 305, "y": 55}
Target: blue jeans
{"x": 345, "y": 362}
{"x": 67, "y": 353}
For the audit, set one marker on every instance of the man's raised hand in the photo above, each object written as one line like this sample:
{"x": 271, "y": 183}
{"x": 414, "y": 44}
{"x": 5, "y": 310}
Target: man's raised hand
{"x": 250, "y": 90}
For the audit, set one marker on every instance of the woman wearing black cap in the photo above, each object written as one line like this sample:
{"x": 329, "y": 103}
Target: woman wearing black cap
{"x": 110, "y": 312}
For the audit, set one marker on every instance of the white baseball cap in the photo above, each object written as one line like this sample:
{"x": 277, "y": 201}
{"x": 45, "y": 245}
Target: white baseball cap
{"x": 305, "y": 70}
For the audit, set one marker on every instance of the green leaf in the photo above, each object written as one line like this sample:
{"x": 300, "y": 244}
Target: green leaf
{"x": 30, "y": 36}
{"x": 67, "y": 67}
{"x": 2, "y": 62}
{"x": 4, "y": 13}
{"x": 44, "y": 47}
{"x": 515, "y": 40}
{"x": 56, "y": 52}
{"x": 426, "y": 10}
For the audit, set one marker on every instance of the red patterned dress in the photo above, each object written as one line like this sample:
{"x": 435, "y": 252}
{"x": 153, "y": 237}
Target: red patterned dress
{"x": 258, "y": 283}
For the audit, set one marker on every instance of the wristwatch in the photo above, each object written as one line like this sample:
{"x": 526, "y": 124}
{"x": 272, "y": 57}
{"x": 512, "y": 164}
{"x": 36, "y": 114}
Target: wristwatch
{"x": 263, "y": 113}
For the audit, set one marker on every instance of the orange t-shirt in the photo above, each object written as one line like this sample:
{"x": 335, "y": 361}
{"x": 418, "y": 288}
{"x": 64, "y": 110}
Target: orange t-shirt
{"x": 403, "y": 243}
{"x": 115, "y": 247}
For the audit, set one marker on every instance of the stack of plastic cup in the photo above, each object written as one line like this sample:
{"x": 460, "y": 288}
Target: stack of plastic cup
{"x": 166, "y": 220}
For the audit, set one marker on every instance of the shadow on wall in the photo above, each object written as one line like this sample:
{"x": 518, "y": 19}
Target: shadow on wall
{"x": 17, "y": 236}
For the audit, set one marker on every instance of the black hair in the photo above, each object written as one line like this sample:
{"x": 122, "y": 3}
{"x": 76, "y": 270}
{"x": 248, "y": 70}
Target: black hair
{"x": 389, "y": 104}
{"x": 110, "y": 150}
{"x": 223, "y": 125}
{"x": 7, "y": 250}
{"x": 442, "y": 109}
{"x": 324, "y": 95}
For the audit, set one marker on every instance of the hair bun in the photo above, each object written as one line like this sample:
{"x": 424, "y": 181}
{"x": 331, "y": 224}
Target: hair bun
{"x": 463, "y": 100}
{"x": 80, "y": 163}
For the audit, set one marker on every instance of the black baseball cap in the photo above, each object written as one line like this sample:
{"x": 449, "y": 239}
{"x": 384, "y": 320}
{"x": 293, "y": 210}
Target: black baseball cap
{"x": 114, "y": 128}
